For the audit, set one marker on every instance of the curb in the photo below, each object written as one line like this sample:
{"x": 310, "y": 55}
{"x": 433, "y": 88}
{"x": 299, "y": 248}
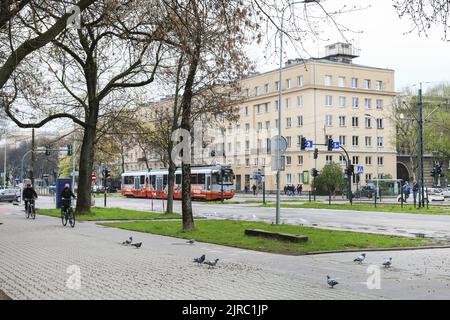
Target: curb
{"x": 379, "y": 249}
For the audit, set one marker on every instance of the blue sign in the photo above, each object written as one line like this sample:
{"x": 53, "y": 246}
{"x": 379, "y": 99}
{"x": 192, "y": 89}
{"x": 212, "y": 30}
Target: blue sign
{"x": 360, "y": 169}
{"x": 336, "y": 145}
{"x": 309, "y": 144}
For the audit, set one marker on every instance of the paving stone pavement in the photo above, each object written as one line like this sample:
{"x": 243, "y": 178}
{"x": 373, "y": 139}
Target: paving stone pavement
{"x": 35, "y": 257}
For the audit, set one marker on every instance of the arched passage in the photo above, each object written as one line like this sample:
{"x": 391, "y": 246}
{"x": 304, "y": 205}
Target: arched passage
{"x": 402, "y": 172}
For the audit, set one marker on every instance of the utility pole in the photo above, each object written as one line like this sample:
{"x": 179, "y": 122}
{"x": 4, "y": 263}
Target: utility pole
{"x": 420, "y": 107}
{"x": 32, "y": 157}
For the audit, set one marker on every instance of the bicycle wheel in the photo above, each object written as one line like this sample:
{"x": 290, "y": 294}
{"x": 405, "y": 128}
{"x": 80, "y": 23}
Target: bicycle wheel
{"x": 71, "y": 217}
{"x": 63, "y": 218}
{"x": 28, "y": 211}
{"x": 33, "y": 212}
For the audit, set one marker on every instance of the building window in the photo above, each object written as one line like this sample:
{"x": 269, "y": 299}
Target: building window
{"x": 368, "y": 123}
{"x": 328, "y": 80}
{"x": 288, "y": 177}
{"x": 341, "y": 82}
{"x": 238, "y": 146}
{"x": 246, "y": 111}
{"x": 342, "y": 161}
{"x": 342, "y": 140}
{"x": 289, "y": 141}
{"x": 368, "y": 141}
{"x": 299, "y": 121}
{"x": 328, "y": 101}
{"x": 379, "y": 85}
{"x": 380, "y": 123}
{"x": 355, "y": 160}
{"x": 342, "y": 102}
{"x": 328, "y": 159}
{"x": 255, "y": 161}
{"x": 368, "y": 160}
{"x": 288, "y": 103}
{"x": 300, "y": 160}
{"x": 355, "y": 102}
{"x": 247, "y": 162}
{"x": 229, "y": 147}
{"x": 368, "y": 177}
{"x": 355, "y": 140}
{"x": 380, "y": 141}
{"x": 258, "y": 108}
{"x": 266, "y": 107}
{"x": 380, "y": 161}
{"x": 276, "y": 123}
{"x": 366, "y": 84}
{"x": 368, "y": 103}
{"x": 299, "y": 101}
{"x": 299, "y": 140}
{"x": 354, "y": 83}
{"x": 341, "y": 121}
{"x": 256, "y": 91}
{"x": 355, "y": 122}
{"x": 238, "y": 162}
{"x": 238, "y": 129}
{"x": 267, "y": 125}
{"x": 260, "y": 126}
{"x": 288, "y": 83}
{"x": 263, "y": 162}
{"x": 288, "y": 160}
{"x": 328, "y": 137}
{"x": 277, "y": 86}
{"x": 379, "y": 104}
{"x": 266, "y": 88}
{"x": 230, "y": 130}
{"x": 247, "y": 145}
{"x": 247, "y": 92}
{"x": 288, "y": 122}
{"x": 268, "y": 144}
{"x": 328, "y": 120}
{"x": 276, "y": 105}
{"x": 300, "y": 81}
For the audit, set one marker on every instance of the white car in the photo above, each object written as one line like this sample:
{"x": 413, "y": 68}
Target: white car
{"x": 446, "y": 192}
{"x": 434, "y": 194}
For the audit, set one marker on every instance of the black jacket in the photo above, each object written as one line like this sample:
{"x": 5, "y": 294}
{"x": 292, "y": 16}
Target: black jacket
{"x": 29, "y": 193}
{"x": 67, "y": 193}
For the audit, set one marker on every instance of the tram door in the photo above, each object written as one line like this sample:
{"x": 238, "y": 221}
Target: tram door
{"x": 137, "y": 183}
{"x": 159, "y": 183}
{"x": 208, "y": 182}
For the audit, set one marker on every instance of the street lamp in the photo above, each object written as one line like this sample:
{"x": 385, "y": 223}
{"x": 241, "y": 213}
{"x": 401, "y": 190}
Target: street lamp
{"x": 5, "y": 134}
{"x": 378, "y": 164}
{"x": 280, "y": 85}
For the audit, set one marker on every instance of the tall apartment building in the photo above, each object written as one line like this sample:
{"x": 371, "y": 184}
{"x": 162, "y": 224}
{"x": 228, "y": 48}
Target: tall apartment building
{"x": 322, "y": 98}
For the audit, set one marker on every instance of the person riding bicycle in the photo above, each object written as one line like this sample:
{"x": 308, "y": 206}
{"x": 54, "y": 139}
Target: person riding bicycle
{"x": 28, "y": 195}
{"x": 66, "y": 196}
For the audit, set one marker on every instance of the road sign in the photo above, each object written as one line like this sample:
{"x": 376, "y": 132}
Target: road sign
{"x": 276, "y": 165}
{"x": 336, "y": 145}
{"x": 275, "y": 141}
{"x": 360, "y": 170}
{"x": 309, "y": 144}
{"x": 93, "y": 177}
{"x": 75, "y": 174}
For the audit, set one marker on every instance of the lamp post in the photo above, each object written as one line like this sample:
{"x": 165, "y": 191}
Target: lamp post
{"x": 280, "y": 86}
{"x": 4, "y": 158}
{"x": 378, "y": 164}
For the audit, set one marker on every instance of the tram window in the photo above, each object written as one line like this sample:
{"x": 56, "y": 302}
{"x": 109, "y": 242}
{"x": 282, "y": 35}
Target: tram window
{"x": 142, "y": 179}
{"x": 178, "y": 179}
{"x": 153, "y": 181}
{"x": 165, "y": 179}
{"x": 194, "y": 178}
{"x": 128, "y": 180}
{"x": 201, "y": 178}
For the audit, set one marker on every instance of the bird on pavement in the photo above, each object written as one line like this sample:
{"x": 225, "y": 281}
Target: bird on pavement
{"x": 387, "y": 262}
{"x": 192, "y": 241}
{"x": 200, "y": 260}
{"x": 128, "y": 242}
{"x": 137, "y": 245}
{"x": 211, "y": 264}
{"x": 331, "y": 282}
{"x": 360, "y": 258}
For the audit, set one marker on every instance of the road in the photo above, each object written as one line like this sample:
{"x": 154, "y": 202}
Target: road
{"x": 432, "y": 226}
{"x": 40, "y": 257}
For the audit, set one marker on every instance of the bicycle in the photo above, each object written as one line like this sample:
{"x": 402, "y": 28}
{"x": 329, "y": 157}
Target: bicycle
{"x": 30, "y": 209}
{"x": 67, "y": 215}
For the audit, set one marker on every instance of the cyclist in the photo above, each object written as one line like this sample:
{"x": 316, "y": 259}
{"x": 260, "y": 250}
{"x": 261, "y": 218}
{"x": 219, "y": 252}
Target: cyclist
{"x": 28, "y": 195}
{"x": 66, "y": 195}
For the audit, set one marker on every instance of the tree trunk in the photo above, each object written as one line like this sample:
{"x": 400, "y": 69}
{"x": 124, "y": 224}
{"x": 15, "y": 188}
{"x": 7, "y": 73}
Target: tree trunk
{"x": 85, "y": 171}
{"x": 329, "y": 198}
{"x": 171, "y": 183}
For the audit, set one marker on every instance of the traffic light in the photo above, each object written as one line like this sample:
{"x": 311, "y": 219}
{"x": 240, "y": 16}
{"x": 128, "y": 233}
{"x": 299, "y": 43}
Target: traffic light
{"x": 439, "y": 170}
{"x": 330, "y": 145}
{"x": 351, "y": 169}
{"x": 303, "y": 144}
{"x": 47, "y": 150}
{"x": 316, "y": 153}
{"x": 314, "y": 172}
{"x": 69, "y": 149}
{"x": 106, "y": 173}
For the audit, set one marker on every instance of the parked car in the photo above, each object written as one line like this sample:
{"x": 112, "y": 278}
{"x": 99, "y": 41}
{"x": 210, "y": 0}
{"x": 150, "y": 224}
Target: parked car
{"x": 446, "y": 192}
{"x": 9, "y": 195}
{"x": 366, "y": 191}
{"x": 434, "y": 194}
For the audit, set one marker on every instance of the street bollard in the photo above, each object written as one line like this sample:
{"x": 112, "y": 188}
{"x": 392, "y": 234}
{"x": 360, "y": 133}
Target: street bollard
{"x": 401, "y": 196}
{"x": 428, "y": 201}
{"x": 309, "y": 195}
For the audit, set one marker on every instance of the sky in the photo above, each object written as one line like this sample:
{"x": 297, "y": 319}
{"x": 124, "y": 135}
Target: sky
{"x": 383, "y": 43}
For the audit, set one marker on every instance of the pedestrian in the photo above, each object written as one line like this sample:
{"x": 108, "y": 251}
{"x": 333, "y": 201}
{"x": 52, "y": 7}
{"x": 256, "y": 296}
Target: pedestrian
{"x": 254, "y": 189}
{"x": 299, "y": 189}
{"x": 415, "y": 190}
{"x": 285, "y": 190}
{"x": 246, "y": 189}
{"x": 406, "y": 190}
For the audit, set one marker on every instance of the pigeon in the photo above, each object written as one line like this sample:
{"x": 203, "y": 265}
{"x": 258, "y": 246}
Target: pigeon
{"x": 128, "y": 242}
{"x": 200, "y": 260}
{"x": 331, "y": 282}
{"x": 192, "y": 241}
{"x": 360, "y": 258}
{"x": 387, "y": 262}
{"x": 211, "y": 263}
{"x": 137, "y": 245}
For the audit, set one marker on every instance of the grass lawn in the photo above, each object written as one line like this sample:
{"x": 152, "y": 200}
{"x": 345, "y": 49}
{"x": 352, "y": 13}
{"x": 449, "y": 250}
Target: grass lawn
{"x": 108, "y": 195}
{"x": 112, "y": 214}
{"x": 407, "y": 208}
{"x": 231, "y": 233}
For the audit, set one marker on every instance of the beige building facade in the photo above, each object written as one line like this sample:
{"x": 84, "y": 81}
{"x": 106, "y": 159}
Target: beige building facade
{"x": 322, "y": 98}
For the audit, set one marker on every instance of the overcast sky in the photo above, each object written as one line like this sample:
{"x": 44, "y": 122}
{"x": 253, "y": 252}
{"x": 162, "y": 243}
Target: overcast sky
{"x": 383, "y": 43}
